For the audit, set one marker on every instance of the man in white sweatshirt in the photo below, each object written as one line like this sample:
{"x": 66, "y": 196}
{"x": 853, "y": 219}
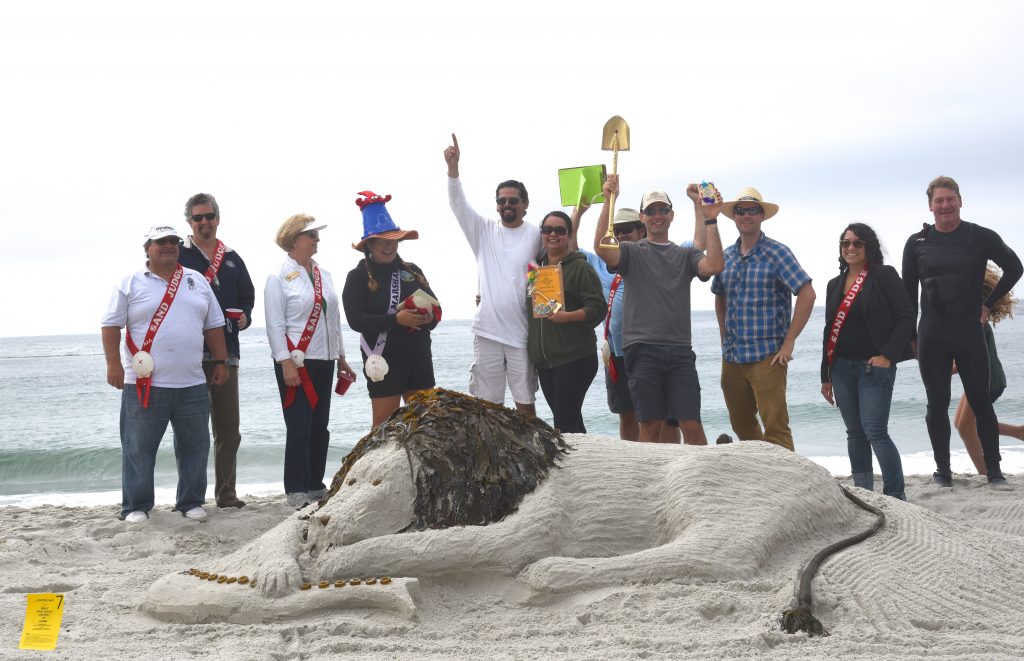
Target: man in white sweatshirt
{"x": 503, "y": 252}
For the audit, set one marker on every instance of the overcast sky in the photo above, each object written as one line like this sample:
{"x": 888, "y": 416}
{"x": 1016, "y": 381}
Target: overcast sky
{"x": 113, "y": 114}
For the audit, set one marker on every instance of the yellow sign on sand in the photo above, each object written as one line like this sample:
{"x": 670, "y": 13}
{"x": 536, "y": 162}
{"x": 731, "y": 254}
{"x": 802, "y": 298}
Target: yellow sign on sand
{"x": 43, "y": 615}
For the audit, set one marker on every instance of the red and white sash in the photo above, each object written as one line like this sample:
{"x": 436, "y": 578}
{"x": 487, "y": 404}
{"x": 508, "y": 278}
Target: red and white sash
{"x": 215, "y": 262}
{"x": 143, "y": 383}
{"x": 307, "y": 335}
{"x": 843, "y": 312}
{"x": 613, "y": 372}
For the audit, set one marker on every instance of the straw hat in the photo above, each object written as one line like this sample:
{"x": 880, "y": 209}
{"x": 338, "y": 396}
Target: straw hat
{"x": 750, "y": 194}
{"x": 625, "y": 215}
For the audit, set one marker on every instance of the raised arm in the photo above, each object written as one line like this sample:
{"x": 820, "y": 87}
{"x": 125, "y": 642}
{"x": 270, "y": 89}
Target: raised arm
{"x": 706, "y": 218}
{"x": 609, "y": 255}
{"x": 576, "y": 217}
{"x": 693, "y": 192}
{"x": 451, "y": 157}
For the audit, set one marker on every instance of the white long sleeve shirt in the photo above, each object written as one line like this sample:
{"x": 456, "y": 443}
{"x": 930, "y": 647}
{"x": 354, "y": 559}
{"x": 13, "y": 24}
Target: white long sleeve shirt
{"x": 288, "y": 300}
{"x": 502, "y": 256}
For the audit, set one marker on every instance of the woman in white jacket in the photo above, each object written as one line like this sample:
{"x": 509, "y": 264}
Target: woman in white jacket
{"x": 304, "y": 331}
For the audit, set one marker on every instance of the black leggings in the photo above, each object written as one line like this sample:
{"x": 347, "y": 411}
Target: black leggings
{"x": 939, "y": 343}
{"x": 564, "y": 388}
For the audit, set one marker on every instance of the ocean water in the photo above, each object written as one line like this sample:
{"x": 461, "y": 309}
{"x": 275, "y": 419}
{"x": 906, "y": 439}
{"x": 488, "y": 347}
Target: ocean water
{"x": 59, "y": 438}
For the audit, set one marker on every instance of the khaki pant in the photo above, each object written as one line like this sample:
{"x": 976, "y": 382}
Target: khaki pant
{"x": 753, "y": 388}
{"x": 226, "y": 437}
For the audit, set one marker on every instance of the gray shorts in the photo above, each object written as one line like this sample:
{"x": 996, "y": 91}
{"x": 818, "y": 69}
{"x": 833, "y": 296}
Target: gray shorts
{"x": 663, "y": 382}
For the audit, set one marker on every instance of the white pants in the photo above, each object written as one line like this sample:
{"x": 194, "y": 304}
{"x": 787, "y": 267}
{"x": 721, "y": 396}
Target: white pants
{"x": 494, "y": 364}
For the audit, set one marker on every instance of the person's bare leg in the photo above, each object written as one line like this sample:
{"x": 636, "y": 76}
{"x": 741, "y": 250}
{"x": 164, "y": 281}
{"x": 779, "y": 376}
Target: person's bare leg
{"x": 529, "y": 410}
{"x": 384, "y": 407}
{"x": 967, "y": 426}
{"x": 693, "y": 432}
{"x": 650, "y": 431}
{"x": 629, "y": 430}
{"x": 1016, "y": 431}
{"x": 669, "y": 433}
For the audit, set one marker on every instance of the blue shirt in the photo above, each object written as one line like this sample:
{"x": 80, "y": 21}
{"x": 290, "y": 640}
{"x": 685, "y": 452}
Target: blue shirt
{"x": 758, "y": 290}
{"x": 602, "y": 271}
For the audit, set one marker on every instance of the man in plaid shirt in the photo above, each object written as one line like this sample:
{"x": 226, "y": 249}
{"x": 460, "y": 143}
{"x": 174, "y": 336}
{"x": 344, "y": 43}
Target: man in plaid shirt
{"x": 753, "y": 303}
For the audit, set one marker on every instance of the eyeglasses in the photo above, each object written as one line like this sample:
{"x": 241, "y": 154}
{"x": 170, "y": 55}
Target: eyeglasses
{"x": 508, "y": 200}
{"x": 560, "y": 230}
{"x": 748, "y": 211}
{"x": 623, "y": 228}
{"x": 657, "y": 211}
{"x": 200, "y": 217}
{"x": 313, "y": 234}
{"x": 166, "y": 240}
{"x": 857, "y": 243}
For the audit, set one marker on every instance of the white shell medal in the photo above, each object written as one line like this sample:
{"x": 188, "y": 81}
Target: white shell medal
{"x": 298, "y": 357}
{"x": 606, "y": 352}
{"x": 142, "y": 364}
{"x": 376, "y": 367}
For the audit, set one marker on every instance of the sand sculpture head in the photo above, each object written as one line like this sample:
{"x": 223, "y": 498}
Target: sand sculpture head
{"x": 425, "y": 468}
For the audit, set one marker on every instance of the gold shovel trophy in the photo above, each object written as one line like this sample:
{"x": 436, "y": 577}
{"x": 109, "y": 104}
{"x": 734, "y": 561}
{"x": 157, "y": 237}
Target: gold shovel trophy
{"x": 615, "y": 138}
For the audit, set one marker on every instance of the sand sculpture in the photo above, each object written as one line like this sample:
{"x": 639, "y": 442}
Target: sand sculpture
{"x": 453, "y": 484}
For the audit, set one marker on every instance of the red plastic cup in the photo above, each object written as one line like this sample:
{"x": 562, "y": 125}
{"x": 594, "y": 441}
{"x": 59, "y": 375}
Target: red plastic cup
{"x": 233, "y": 313}
{"x": 344, "y": 381}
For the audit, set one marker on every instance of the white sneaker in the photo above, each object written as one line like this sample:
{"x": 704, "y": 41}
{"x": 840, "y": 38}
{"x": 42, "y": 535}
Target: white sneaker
{"x": 138, "y": 516}
{"x": 314, "y": 496}
{"x": 196, "y": 514}
{"x": 298, "y": 499}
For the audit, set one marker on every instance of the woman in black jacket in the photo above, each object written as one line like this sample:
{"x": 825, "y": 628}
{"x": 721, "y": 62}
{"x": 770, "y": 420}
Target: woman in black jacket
{"x": 384, "y": 302}
{"x": 868, "y": 325}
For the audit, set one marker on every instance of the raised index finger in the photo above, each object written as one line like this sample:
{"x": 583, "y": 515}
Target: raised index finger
{"x": 455, "y": 142}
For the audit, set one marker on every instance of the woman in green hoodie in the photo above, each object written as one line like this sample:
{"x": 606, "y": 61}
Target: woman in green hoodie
{"x": 562, "y": 344}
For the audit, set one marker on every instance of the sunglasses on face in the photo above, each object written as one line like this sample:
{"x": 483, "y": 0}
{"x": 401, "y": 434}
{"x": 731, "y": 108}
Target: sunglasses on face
{"x": 657, "y": 211}
{"x": 626, "y": 229}
{"x": 313, "y": 234}
{"x": 508, "y": 200}
{"x": 200, "y": 217}
{"x": 856, "y": 243}
{"x": 166, "y": 241}
{"x": 559, "y": 230}
{"x": 749, "y": 211}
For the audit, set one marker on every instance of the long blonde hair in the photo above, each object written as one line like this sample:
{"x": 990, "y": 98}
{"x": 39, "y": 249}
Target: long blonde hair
{"x": 1002, "y": 308}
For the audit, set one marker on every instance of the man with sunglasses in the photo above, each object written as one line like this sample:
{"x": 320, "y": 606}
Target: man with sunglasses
{"x": 949, "y": 260}
{"x": 224, "y": 269}
{"x": 658, "y": 356}
{"x": 753, "y": 298}
{"x": 168, "y": 313}
{"x": 503, "y": 251}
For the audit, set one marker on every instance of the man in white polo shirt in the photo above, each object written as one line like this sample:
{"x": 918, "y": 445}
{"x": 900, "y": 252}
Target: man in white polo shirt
{"x": 168, "y": 311}
{"x": 503, "y": 252}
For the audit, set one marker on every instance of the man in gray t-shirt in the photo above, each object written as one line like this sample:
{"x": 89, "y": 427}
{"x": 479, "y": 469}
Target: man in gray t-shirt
{"x": 660, "y": 362}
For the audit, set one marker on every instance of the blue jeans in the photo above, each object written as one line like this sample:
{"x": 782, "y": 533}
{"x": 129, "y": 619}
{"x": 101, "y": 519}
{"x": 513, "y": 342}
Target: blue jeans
{"x": 864, "y": 393}
{"x": 188, "y": 411}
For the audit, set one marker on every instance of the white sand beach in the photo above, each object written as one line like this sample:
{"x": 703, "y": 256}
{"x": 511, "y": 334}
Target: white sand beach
{"x": 943, "y": 579}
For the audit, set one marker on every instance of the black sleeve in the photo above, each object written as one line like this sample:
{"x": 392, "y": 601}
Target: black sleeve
{"x": 830, "y": 312}
{"x": 425, "y": 287}
{"x": 911, "y": 277}
{"x": 902, "y": 314}
{"x": 1008, "y": 261}
{"x": 354, "y": 299}
{"x": 246, "y": 290}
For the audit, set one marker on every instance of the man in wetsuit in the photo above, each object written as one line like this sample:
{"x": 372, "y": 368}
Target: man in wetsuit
{"x": 949, "y": 260}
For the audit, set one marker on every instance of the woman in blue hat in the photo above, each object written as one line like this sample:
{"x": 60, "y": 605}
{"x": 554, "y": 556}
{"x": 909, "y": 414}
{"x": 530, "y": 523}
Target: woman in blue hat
{"x": 389, "y": 302}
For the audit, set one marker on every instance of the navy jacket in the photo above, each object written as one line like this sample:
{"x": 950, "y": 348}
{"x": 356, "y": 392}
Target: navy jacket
{"x": 232, "y": 286}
